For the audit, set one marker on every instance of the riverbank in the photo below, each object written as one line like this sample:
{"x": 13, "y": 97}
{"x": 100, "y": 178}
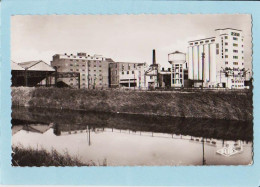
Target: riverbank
{"x": 228, "y": 105}
{"x": 40, "y": 157}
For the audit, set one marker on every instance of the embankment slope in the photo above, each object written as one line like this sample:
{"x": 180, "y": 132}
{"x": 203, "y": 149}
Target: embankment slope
{"x": 229, "y": 105}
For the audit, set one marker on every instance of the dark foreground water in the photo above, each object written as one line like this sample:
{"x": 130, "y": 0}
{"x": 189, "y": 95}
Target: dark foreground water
{"x": 134, "y": 140}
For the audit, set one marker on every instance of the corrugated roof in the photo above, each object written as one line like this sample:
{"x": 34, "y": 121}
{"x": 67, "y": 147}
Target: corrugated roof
{"x": 15, "y": 66}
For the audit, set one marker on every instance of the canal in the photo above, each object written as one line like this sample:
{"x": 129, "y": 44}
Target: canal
{"x": 134, "y": 140}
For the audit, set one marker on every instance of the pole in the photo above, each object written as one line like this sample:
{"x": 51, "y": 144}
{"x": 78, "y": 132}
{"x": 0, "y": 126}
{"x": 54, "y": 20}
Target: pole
{"x": 79, "y": 80}
{"x": 203, "y": 57}
{"x": 25, "y": 76}
{"x": 203, "y": 158}
{"x": 56, "y": 74}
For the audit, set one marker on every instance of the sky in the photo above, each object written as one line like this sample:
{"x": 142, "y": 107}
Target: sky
{"x": 124, "y": 38}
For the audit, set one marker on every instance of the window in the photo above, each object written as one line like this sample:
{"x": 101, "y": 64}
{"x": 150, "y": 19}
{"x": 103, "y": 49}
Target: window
{"x": 217, "y": 45}
{"x": 127, "y": 72}
{"x": 213, "y": 40}
{"x": 201, "y": 42}
{"x": 151, "y": 77}
{"x": 226, "y": 50}
{"x": 217, "y": 51}
{"x": 234, "y": 38}
{"x": 235, "y": 57}
{"x": 242, "y": 51}
{"x": 191, "y": 43}
{"x": 71, "y": 69}
{"x": 226, "y": 62}
{"x": 226, "y": 43}
{"x": 235, "y": 45}
{"x": 196, "y": 42}
{"x": 235, "y": 63}
{"x": 207, "y": 41}
{"x": 226, "y": 37}
{"x": 123, "y": 73}
{"x": 71, "y": 64}
{"x": 235, "y": 51}
{"x": 133, "y": 72}
{"x": 226, "y": 56}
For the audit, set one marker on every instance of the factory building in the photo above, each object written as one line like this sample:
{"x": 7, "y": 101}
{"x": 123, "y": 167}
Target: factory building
{"x": 152, "y": 74}
{"x": 217, "y": 61}
{"x": 93, "y": 70}
{"x": 127, "y": 74}
{"x": 178, "y": 62}
{"x": 165, "y": 78}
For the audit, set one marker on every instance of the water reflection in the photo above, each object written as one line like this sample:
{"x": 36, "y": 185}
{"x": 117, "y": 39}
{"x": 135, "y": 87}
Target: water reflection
{"x": 135, "y": 140}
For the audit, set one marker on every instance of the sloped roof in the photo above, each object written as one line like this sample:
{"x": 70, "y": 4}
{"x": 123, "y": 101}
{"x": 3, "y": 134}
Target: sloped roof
{"x": 15, "y": 66}
{"x": 36, "y": 66}
{"x": 176, "y": 52}
{"x": 109, "y": 60}
{"x": 28, "y": 64}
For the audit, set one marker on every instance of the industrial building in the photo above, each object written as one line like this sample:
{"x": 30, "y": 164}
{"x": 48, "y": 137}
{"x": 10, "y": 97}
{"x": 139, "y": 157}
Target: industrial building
{"x": 126, "y": 74}
{"x": 152, "y": 74}
{"x": 93, "y": 70}
{"x": 30, "y": 73}
{"x": 164, "y": 78}
{"x": 217, "y": 61}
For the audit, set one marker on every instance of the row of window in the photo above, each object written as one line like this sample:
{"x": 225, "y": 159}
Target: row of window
{"x": 237, "y": 81}
{"x": 127, "y": 72}
{"x": 129, "y": 67}
{"x": 201, "y": 42}
{"x": 235, "y": 34}
{"x": 234, "y": 38}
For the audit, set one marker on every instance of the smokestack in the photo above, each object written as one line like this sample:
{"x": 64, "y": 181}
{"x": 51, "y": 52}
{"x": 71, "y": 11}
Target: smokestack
{"x": 154, "y": 58}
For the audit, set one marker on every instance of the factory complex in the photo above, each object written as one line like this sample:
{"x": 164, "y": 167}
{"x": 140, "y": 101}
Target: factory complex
{"x": 216, "y": 62}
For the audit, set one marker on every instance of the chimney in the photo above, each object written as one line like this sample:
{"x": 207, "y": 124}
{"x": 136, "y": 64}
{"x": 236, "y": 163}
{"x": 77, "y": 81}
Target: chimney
{"x": 154, "y": 58}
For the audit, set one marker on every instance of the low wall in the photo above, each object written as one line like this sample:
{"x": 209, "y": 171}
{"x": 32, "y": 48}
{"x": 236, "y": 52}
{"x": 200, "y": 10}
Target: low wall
{"x": 231, "y": 105}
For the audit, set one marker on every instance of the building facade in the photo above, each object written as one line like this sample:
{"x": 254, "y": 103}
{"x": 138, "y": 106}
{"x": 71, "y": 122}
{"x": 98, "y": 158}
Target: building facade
{"x": 93, "y": 70}
{"x": 126, "y": 74}
{"x": 217, "y": 61}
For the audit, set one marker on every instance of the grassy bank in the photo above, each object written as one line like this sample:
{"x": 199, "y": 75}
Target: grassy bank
{"x": 34, "y": 157}
{"x": 229, "y": 105}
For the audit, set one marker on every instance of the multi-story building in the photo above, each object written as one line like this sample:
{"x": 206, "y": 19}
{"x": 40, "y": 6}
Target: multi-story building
{"x": 126, "y": 74}
{"x": 93, "y": 70}
{"x": 217, "y": 61}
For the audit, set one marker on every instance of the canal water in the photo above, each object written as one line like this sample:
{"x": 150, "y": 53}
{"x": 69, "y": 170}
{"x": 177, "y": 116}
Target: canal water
{"x": 134, "y": 140}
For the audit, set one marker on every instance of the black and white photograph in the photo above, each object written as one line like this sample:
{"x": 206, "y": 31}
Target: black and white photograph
{"x": 132, "y": 90}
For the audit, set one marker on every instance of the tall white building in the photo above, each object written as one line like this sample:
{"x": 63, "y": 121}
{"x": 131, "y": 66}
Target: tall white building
{"x": 217, "y": 61}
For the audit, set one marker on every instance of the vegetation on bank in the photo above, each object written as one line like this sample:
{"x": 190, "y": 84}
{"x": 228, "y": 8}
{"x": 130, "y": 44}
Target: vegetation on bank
{"x": 228, "y": 105}
{"x": 40, "y": 157}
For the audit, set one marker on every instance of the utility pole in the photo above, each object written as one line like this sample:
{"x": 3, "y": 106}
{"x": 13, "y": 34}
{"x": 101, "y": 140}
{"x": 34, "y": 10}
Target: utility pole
{"x": 202, "y": 59}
